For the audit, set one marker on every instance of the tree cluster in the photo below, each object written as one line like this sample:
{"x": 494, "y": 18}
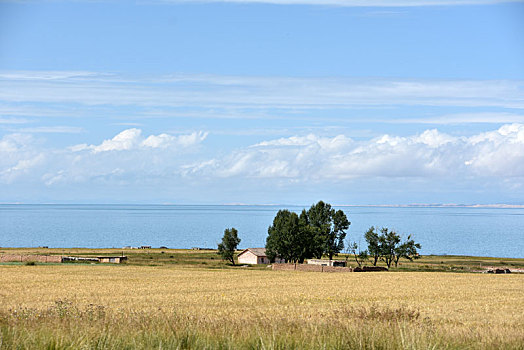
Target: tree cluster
{"x": 385, "y": 246}
{"x": 319, "y": 231}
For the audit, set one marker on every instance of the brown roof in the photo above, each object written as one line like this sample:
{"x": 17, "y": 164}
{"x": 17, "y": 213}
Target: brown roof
{"x": 257, "y": 251}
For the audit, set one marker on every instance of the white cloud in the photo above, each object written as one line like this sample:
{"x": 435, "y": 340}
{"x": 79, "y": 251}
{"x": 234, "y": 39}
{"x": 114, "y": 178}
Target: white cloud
{"x": 126, "y": 140}
{"x": 13, "y": 121}
{"x": 19, "y": 154}
{"x": 236, "y": 92}
{"x": 498, "y": 153}
{"x": 433, "y": 138}
{"x": 46, "y": 75}
{"x": 131, "y": 159}
{"x": 132, "y": 139}
{"x": 310, "y": 139}
{"x": 187, "y": 140}
{"x": 22, "y": 167}
{"x": 127, "y": 157}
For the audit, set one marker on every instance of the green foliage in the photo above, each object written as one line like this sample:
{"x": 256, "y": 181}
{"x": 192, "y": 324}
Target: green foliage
{"x": 386, "y": 246}
{"x": 317, "y": 231}
{"x": 408, "y": 250}
{"x": 373, "y": 241}
{"x": 229, "y": 244}
{"x": 389, "y": 241}
{"x": 330, "y": 227}
{"x": 288, "y": 237}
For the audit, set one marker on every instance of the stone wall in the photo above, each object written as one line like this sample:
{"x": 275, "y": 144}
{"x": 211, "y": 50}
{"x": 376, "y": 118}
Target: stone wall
{"x": 320, "y": 268}
{"x": 283, "y": 267}
{"x": 29, "y": 257}
{"x": 309, "y": 268}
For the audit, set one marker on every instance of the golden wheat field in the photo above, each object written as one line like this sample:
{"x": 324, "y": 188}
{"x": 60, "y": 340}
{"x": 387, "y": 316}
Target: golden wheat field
{"x": 97, "y": 306}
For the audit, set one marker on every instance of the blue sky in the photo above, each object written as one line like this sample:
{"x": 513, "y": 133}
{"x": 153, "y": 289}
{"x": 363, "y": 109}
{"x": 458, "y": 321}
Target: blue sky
{"x": 398, "y": 101}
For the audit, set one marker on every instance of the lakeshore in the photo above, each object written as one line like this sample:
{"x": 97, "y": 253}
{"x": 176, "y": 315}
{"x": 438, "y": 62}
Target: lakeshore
{"x": 453, "y": 231}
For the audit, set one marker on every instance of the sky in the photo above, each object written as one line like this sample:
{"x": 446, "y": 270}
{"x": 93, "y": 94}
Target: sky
{"x": 262, "y": 102}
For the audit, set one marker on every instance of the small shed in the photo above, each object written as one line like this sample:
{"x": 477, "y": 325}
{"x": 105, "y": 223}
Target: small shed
{"x": 255, "y": 256}
{"x": 112, "y": 259}
{"x": 327, "y": 262}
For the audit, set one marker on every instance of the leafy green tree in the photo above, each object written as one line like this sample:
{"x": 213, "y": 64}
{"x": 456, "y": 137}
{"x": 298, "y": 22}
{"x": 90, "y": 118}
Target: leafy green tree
{"x": 386, "y": 246}
{"x": 373, "y": 240}
{"x": 329, "y": 228}
{"x": 320, "y": 217}
{"x": 317, "y": 231}
{"x": 283, "y": 237}
{"x": 408, "y": 250}
{"x": 388, "y": 241}
{"x": 309, "y": 240}
{"x": 229, "y": 244}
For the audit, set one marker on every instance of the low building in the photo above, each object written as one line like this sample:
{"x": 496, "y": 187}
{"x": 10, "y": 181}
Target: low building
{"x": 112, "y": 259}
{"x": 322, "y": 262}
{"x": 255, "y": 256}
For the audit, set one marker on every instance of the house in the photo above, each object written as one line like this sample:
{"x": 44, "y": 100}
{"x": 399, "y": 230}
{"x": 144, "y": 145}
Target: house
{"x": 255, "y": 256}
{"x": 327, "y": 262}
{"x": 111, "y": 259}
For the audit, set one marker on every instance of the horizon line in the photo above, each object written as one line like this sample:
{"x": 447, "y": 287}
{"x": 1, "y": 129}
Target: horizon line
{"x": 398, "y": 205}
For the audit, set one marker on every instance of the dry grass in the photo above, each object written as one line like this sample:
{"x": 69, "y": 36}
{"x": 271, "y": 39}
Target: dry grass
{"x": 74, "y": 306}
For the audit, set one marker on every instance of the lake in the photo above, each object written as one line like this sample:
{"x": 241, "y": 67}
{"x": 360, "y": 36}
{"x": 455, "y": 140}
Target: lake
{"x": 497, "y": 232}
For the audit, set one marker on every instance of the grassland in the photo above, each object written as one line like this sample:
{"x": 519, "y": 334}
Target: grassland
{"x": 182, "y": 303}
{"x": 209, "y": 259}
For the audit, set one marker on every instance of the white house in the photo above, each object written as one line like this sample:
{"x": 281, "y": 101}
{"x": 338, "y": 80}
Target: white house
{"x": 255, "y": 256}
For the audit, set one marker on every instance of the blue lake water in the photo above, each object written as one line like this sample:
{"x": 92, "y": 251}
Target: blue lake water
{"x": 453, "y": 231}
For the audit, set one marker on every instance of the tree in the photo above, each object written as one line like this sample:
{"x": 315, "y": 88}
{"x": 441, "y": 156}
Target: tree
{"x": 388, "y": 242}
{"x": 407, "y": 250}
{"x": 360, "y": 256}
{"x": 317, "y": 231}
{"x": 386, "y": 246}
{"x": 229, "y": 244}
{"x": 319, "y": 218}
{"x": 373, "y": 240}
{"x": 309, "y": 240}
{"x": 329, "y": 226}
{"x": 283, "y": 237}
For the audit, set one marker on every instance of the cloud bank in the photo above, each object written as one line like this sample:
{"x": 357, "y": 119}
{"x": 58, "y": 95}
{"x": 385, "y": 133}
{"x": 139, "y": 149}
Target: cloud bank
{"x": 130, "y": 157}
{"x": 431, "y": 154}
{"x": 126, "y": 158}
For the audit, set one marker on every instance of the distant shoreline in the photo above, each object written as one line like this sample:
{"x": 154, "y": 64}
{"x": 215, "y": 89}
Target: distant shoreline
{"x": 412, "y": 205}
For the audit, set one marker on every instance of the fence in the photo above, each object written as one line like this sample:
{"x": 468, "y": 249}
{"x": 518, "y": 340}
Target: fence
{"x": 29, "y": 257}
